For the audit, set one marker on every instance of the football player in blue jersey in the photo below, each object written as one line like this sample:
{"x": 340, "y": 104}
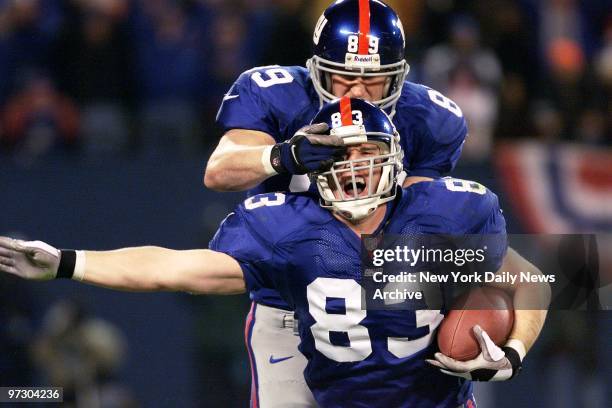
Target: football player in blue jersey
{"x": 308, "y": 247}
{"x": 358, "y": 51}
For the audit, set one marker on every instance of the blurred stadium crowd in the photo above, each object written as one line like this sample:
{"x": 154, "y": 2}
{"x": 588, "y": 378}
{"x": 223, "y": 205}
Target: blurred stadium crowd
{"x": 148, "y": 76}
{"x": 144, "y": 78}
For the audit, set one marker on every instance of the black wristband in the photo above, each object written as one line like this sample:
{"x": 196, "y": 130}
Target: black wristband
{"x": 515, "y": 359}
{"x": 275, "y": 159}
{"x": 66, "y": 265}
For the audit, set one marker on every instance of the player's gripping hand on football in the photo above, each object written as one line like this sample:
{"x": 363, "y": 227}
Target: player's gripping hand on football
{"x": 311, "y": 149}
{"x": 29, "y": 259}
{"x": 494, "y": 363}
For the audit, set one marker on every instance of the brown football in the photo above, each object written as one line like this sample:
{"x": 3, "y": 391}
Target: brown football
{"x": 491, "y": 308}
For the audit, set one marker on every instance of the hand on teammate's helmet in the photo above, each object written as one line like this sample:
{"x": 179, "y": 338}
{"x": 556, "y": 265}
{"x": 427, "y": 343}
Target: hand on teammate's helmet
{"x": 28, "y": 259}
{"x": 311, "y": 149}
{"x": 494, "y": 363}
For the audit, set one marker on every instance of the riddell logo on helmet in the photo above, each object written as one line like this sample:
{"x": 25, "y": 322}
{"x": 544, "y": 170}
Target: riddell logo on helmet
{"x": 365, "y": 58}
{"x": 369, "y": 61}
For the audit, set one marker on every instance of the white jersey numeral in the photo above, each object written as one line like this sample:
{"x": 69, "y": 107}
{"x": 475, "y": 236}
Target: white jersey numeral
{"x": 276, "y": 76}
{"x": 402, "y": 347}
{"x": 349, "y": 290}
{"x": 264, "y": 200}
{"x": 360, "y": 345}
{"x": 464, "y": 186}
{"x": 441, "y": 100}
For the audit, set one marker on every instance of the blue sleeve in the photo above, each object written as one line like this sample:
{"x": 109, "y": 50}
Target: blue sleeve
{"x": 244, "y": 108}
{"x": 435, "y": 128}
{"x": 495, "y": 223}
{"x": 238, "y": 239}
{"x": 439, "y": 147}
{"x": 492, "y": 233}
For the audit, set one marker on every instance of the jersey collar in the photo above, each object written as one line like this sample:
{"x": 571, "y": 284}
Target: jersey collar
{"x": 390, "y": 210}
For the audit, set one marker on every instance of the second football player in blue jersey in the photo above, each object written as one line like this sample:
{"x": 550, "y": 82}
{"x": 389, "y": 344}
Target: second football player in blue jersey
{"x": 358, "y": 52}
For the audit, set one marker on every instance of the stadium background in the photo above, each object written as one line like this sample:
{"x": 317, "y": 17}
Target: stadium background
{"x": 107, "y": 119}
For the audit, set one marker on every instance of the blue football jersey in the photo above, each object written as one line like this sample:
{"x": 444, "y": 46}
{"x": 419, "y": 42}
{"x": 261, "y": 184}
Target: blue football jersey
{"x": 357, "y": 358}
{"x": 280, "y": 100}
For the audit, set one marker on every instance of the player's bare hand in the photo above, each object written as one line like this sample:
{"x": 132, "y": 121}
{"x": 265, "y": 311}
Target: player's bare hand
{"x": 494, "y": 363}
{"x": 28, "y": 259}
{"x": 311, "y": 149}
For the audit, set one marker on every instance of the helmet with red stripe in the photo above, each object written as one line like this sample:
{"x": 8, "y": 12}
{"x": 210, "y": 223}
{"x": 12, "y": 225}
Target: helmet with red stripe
{"x": 356, "y": 185}
{"x": 361, "y": 38}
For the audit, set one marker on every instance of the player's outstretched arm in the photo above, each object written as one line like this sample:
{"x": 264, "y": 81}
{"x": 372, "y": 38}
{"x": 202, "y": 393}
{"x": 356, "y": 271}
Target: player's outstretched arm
{"x": 132, "y": 269}
{"x": 236, "y": 166}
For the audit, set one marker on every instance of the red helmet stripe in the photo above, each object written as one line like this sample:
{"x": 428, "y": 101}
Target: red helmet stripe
{"x": 364, "y": 26}
{"x": 346, "y": 111}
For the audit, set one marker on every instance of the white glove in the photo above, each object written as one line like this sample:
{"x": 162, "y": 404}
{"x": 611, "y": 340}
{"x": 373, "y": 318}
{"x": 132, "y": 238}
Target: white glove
{"x": 29, "y": 259}
{"x": 494, "y": 363}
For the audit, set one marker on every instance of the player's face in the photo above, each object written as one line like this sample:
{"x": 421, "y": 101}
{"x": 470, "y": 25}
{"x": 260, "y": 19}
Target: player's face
{"x": 367, "y": 88}
{"x": 362, "y": 177}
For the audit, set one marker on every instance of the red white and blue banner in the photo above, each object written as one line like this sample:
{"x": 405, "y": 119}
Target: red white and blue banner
{"x": 560, "y": 188}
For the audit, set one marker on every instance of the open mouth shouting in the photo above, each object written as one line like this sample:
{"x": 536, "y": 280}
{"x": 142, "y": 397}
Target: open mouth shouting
{"x": 354, "y": 189}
